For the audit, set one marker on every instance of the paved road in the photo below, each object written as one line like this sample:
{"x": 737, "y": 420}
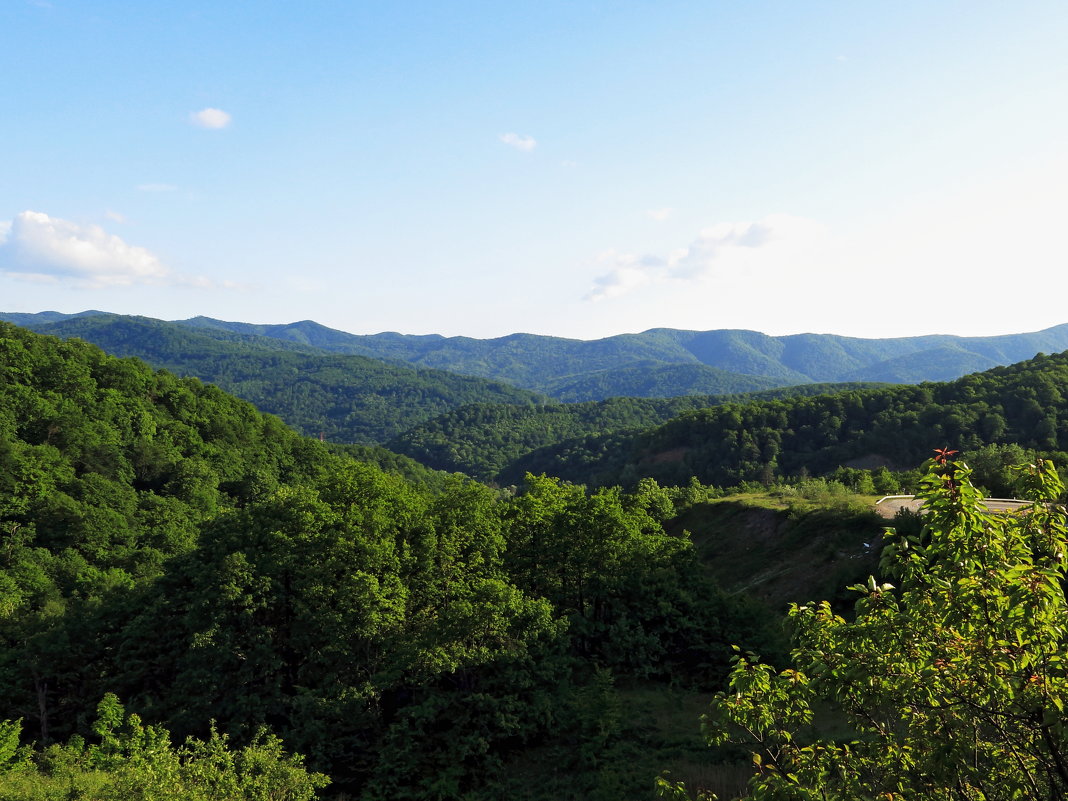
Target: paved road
{"x": 888, "y": 506}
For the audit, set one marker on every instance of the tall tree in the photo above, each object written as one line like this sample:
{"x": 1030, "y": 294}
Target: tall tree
{"x": 952, "y": 678}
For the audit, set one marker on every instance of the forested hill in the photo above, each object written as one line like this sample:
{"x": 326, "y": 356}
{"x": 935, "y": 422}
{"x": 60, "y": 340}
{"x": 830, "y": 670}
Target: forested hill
{"x": 1025, "y": 403}
{"x": 649, "y": 379}
{"x": 168, "y": 543}
{"x": 347, "y": 398}
{"x": 483, "y": 439}
{"x": 548, "y": 363}
{"x": 661, "y": 362}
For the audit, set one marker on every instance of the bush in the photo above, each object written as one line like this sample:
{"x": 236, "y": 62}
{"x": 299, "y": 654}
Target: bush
{"x": 951, "y": 682}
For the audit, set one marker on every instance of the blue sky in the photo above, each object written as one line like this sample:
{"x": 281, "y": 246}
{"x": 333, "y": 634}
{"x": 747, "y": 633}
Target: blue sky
{"x": 572, "y": 168}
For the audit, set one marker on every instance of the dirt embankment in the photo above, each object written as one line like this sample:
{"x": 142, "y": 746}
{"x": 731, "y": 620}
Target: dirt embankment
{"x": 784, "y": 556}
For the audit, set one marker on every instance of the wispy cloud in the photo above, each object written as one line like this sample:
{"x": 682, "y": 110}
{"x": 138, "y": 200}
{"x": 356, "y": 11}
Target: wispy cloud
{"x": 210, "y": 118}
{"x": 115, "y": 216}
{"x": 626, "y": 273}
{"x": 659, "y": 214}
{"x": 156, "y": 187}
{"x": 524, "y": 143}
{"x": 717, "y": 239}
{"x": 37, "y": 247}
{"x": 718, "y": 246}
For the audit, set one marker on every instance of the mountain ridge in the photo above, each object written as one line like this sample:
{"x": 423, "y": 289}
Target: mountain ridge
{"x": 347, "y": 398}
{"x": 576, "y": 370}
{"x": 789, "y": 359}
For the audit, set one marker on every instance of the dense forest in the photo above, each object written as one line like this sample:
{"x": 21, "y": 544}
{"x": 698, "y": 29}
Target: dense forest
{"x": 169, "y": 545}
{"x": 357, "y": 400}
{"x": 345, "y": 398}
{"x": 661, "y": 362}
{"x": 542, "y": 362}
{"x": 482, "y": 439}
{"x": 1021, "y": 404}
{"x": 197, "y": 602}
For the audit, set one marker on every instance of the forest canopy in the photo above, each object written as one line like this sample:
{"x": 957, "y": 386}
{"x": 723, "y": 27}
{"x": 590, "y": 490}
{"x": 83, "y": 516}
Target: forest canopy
{"x": 950, "y": 682}
{"x": 168, "y": 544}
{"x": 1022, "y": 404}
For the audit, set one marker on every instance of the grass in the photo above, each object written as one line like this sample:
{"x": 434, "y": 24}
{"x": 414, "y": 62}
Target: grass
{"x": 33, "y": 786}
{"x": 784, "y": 547}
{"x": 672, "y": 718}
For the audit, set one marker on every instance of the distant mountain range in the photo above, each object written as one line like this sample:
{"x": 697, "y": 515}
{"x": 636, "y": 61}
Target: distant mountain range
{"x": 596, "y": 369}
{"x": 381, "y": 390}
{"x": 658, "y": 363}
{"x": 345, "y": 397}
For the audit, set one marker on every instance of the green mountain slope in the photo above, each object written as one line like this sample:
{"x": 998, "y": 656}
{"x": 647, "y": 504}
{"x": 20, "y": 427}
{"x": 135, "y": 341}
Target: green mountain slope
{"x": 942, "y": 363}
{"x": 483, "y": 439}
{"x": 655, "y": 380}
{"x": 347, "y": 398}
{"x": 1026, "y": 403}
{"x": 661, "y": 362}
{"x": 526, "y": 360}
{"x": 168, "y": 543}
{"x": 541, "y": 363}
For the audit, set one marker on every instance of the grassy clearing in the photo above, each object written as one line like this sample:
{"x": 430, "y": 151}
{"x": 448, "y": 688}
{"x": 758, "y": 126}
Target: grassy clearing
{"x": 783, "y": 547}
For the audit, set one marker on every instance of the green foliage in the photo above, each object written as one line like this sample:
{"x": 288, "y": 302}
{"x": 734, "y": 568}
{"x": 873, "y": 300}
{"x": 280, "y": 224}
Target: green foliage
{"x": 731, "y": 443}
{"x": 655, "y": 380}
{"x": 132, "y": 762}
{"x": 13, "y": 757}
{"x": 950, "y": 682}
{"x": 346, "y": 398}
{"x": 992, "y": 468}
{"x": 391, "y": 462}
{"x": 167, "y": 543}
{"x": 484, "y": 440}
{"x": 538, "y": 362}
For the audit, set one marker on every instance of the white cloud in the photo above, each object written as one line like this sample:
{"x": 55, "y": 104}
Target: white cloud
{"x": 524, "y": 143}
{"x": 659, "y": 214}
{"x": 985, "y": 258}
{"x": 627, "y": 273}
{"x": 714, "y": 241}
{"x": 43, "y": 248}
{"x": 39, "y": 248}
{"x": 156, "y": 187}
{"x": 115, "y": 215}
{"x": 211, "y": 118}
{"x": 719, "y": 252}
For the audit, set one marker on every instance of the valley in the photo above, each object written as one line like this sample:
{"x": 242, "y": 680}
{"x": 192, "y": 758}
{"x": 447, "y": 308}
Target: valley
{"x": 475, "y": 590}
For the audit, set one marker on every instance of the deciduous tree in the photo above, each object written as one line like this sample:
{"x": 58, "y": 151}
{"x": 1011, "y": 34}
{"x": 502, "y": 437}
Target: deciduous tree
{"x": 951, "y": 681}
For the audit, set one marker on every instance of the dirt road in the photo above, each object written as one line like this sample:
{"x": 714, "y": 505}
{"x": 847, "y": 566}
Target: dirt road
{"x": 888, "y": 506}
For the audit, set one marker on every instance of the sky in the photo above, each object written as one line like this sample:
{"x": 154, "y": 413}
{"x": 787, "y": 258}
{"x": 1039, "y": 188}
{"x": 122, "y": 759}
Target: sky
{"x": 579, "y": 168}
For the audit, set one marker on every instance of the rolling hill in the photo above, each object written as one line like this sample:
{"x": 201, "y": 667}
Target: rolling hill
{"x": 1024, "y": 404}
{"x": 346, "y": 398}
{"x": 660, "y": 362}
{"x": 557, "y": 365}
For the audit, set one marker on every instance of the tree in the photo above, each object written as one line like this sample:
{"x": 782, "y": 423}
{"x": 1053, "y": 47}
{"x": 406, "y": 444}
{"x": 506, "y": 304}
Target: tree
{"x": 951, "y": 682}
{"x": 134, "y": 762}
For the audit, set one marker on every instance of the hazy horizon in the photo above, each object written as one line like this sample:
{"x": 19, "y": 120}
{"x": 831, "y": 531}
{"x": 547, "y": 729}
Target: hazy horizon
{"x": 532, "y": 333}
{"x": 867, "y": 170}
